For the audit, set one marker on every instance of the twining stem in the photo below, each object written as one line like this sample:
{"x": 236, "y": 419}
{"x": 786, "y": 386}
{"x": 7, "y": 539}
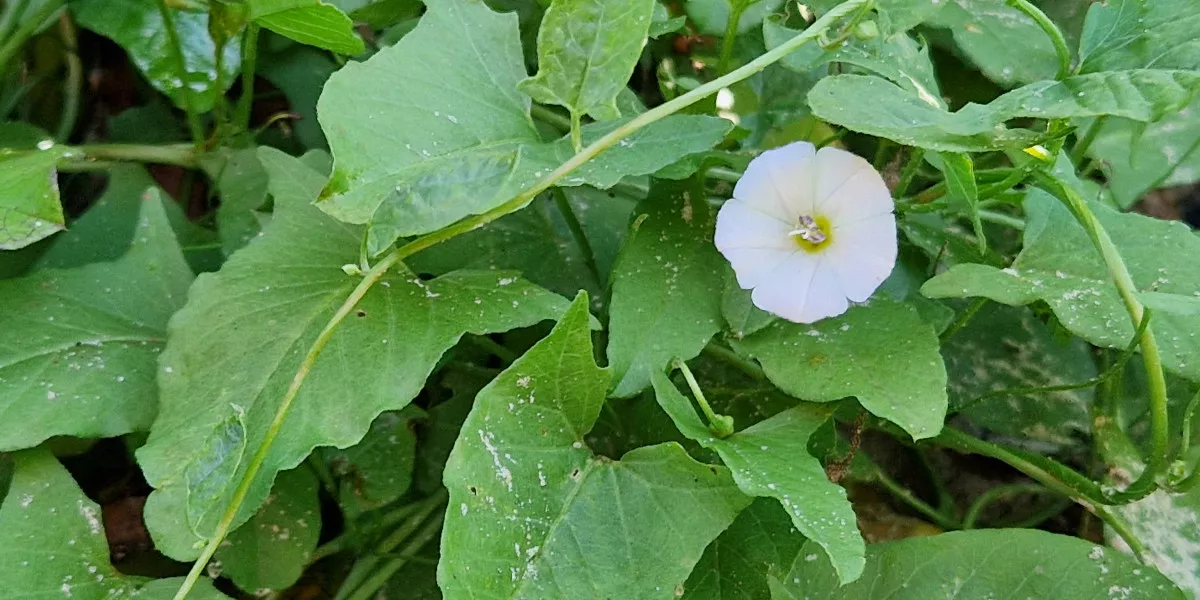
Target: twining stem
{"x": 522, "y": 199}
{"x": 720, "y": 425}
{"x": 909, "y": 172}
{"x": 175, "y": 47}
{"x": 576, "y": 132}
{"x": 1051, "y": 30}
{"x": 1112, "y": 371}
{"x": 183, "y": 155}
{"x": 1185, "y": 444}
{"x": 578, "y": 234}
{"x": 364, "y": 570}
{"x": 905, "y": 495}
{"x": 379, "y": 577}
{"x": 1159, "y": 458}
{"x": 724, "y": 174}
{"x": 73, "y": 82}
{"x": 731, "y": 30}
{"x": 962, "y": 320}
{"x": 992, "y": 216}
{"x": 1089, "y": 499}
{"x": 249, "y": 57}
{"x": 1079, "y": 152}
{"x": 994, "y": 494}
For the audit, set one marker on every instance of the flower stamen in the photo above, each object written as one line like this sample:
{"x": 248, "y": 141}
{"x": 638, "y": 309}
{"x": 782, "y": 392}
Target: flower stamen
{"x": 809, "y": 231}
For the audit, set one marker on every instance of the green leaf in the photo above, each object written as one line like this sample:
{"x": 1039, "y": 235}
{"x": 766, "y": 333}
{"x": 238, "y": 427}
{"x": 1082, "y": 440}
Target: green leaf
{"x": 309, "y": 22}
{"x": 712, "y": 16}
{"x": 666, "y": 290}
{"x": 998, "y": 563}
{"x": 55, "y": 544}
{"x": 874, "y": 106}
{"x": 378, "y": 469}
{"x": 586, "y": 52}
{"x": 237, "y": 344}
{"x": 270, "y": 551}
{"x": 1132, "y": 34}
{"x": 29, "y": 208}
{"x": 460, "y": 141}
{"x": 896, "y": 16}
{"x": 538, "y": 242}
{"x": 1059, "y": 265}
{"x": 959, "y": 170}
{"x": 771, "y": 459}
{"x": 899, "y": 58}
{"x": 107, "y": 230}
{"x": 534, "y": 514}
{"x": 242, "y": 183}
{"x": 1172, "y": 303}
{"x": 1137, "y": 157}
{"x": 1003, "y": 348}
{"x": 137, "y": 26}
{"x": 1167, "y": 524}
{"x": 81, "y": 344}
{"x": 871, "y": 352}
{"x": 735, "y": 565}
{"x": 1005, "y": 43}
{"x": 300, "y": 72}
{"x": 662, "y": 23}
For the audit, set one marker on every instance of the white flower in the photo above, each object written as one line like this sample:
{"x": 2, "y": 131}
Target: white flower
{"x": 809, "y": 231}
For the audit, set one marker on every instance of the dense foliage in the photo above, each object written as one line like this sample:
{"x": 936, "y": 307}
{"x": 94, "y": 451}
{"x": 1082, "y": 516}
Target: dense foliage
{"x": 382, "y": 299}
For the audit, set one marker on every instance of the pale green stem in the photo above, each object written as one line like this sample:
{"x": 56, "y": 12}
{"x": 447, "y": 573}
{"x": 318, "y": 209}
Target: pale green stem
{"x": 578, "y": 234}
{"x": 731, "y": 29}
{"x": 1159, "y": 419}
{"x": 995, "y": 494}
{"x": 576, "y": 132}
{"x": 380, "y": 576}
{"x": 471, "y": 223}
{"x": 905, "y": 495}
{"x": 720, "y": 425}
{"x": 962, "y": 319}
{"x": 73, "y": 82}
{"x": 962, "y": 442}
{"x": 1051, "y": 30}
{"x": 249, "y": 58}
{"x": 992, "y": 216}
{"x": 185, "y": 91}
{"x": 723, "y": 174}
{"x": 1079, "y": 152}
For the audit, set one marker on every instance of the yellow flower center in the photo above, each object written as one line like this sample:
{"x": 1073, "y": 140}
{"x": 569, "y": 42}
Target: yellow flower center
{"x": 812, "y": 234}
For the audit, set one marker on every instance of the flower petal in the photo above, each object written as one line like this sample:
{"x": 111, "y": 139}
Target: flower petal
{"x": 848, "y": 188}
{"x": 780, "y": 182}
{"x": 802, "y": 289}
{"x": 740, "y": 225}
{"x": 754, "y": 265}
{"x": 863, "y": 255}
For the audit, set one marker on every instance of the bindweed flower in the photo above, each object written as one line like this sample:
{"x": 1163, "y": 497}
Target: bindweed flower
{"x": 810, "y": 231}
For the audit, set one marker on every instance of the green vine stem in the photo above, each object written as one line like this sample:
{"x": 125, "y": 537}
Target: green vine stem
{"x": 994, "y": 494}
{"x": 1112, "y": 371}
{"x": 908, "y": 497}
{"x": 720, "y": 425}
{"x": 367, "y": 567}
{"x": 1079, "y": 152}
{"x": 9, "y": 17}
{"x": 962, "y": 320}
{"x": 469, "y": 224}
{"x": 379, "y": 577}
{"x": 1159, "y": 458}
{"x": 185, "y": 92}
{"x": 1066, "y": 482}
{"x": 73, "y": 82}
{"x": 578, "y": 234}
{"x": 1056, "y": 36}
{"x": 249, "y": 59}
{"x": 737, "y": 7}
